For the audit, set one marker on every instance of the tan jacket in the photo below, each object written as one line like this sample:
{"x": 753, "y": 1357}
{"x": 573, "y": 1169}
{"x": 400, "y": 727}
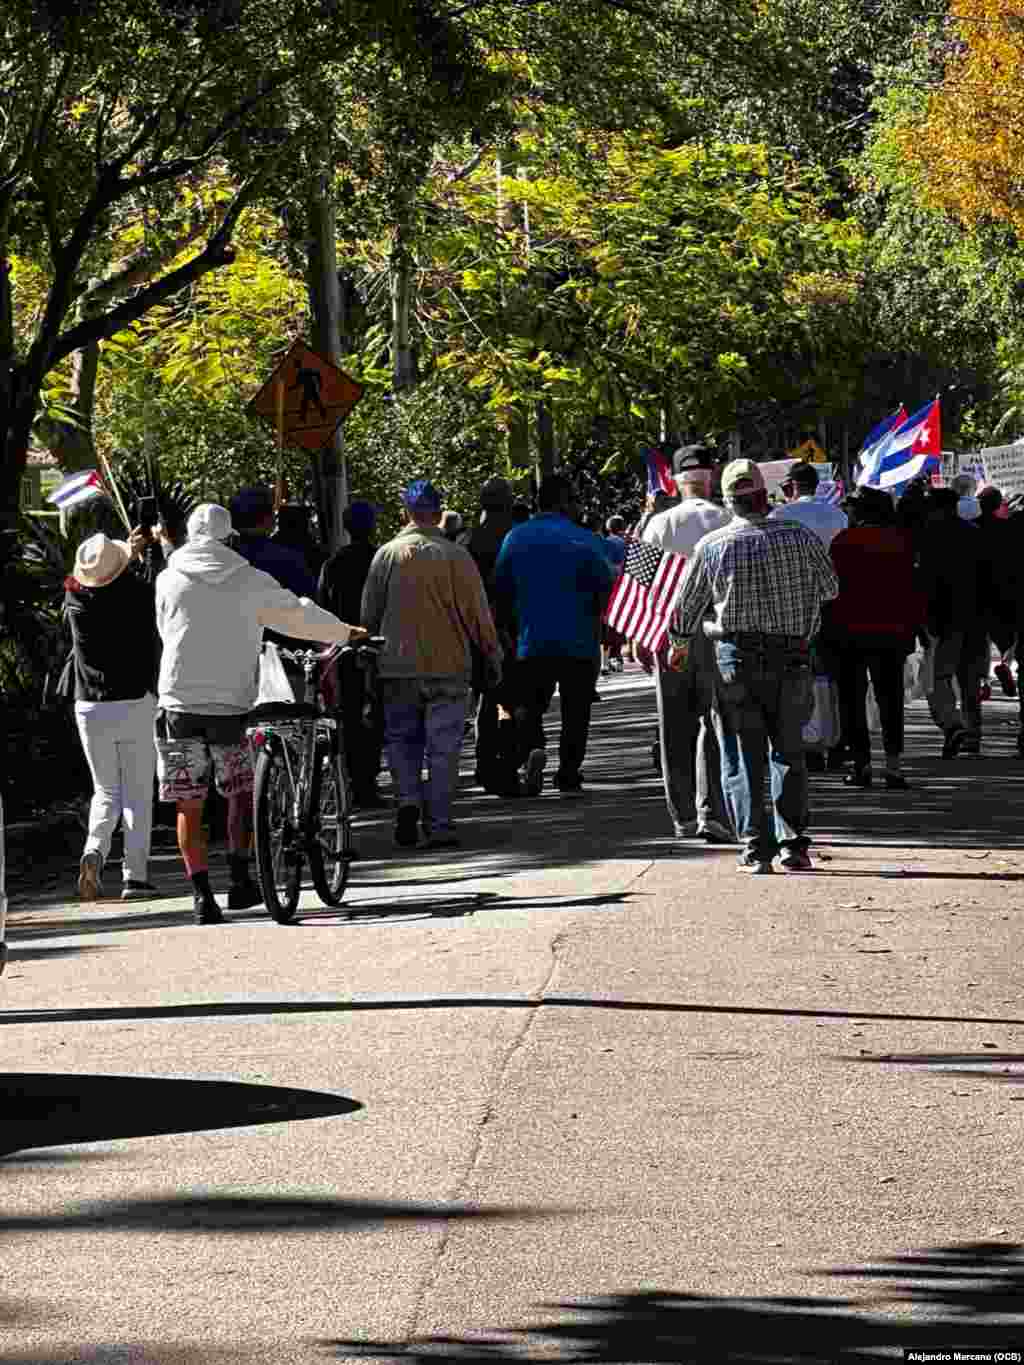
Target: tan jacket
{"x": 426, "y": 596}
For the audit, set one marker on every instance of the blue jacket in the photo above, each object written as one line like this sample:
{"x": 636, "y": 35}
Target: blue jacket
{"x": 288, "y": 566}
{"x": 557, "y": 578}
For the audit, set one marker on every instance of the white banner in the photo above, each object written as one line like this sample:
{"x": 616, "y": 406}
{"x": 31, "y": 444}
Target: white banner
{"x": 1004, "y": 468}
{"x": 774, "y": 473}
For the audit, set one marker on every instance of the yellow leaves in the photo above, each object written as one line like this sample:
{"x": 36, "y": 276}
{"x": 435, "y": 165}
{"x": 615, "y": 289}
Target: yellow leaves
{"x": 970, "y": 143}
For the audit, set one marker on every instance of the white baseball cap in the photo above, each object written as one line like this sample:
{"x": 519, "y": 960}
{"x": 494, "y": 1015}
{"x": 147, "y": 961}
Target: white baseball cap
{"x": 209, "y": 521}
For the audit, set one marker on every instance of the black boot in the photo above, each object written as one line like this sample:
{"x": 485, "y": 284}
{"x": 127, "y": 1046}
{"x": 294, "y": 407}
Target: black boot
{"x": 243, "y": 892}
{"x": 205, "y": 909}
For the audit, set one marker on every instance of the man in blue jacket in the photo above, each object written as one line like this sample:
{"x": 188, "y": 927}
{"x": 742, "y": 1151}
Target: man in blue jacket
{"x": 556, "y": 577}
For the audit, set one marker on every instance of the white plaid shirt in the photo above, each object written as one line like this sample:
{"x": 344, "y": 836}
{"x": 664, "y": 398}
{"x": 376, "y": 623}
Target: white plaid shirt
{"x": 757, "y": 575}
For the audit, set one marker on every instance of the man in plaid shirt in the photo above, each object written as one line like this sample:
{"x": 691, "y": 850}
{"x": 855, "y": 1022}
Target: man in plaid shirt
{"x": 764, "y": 582}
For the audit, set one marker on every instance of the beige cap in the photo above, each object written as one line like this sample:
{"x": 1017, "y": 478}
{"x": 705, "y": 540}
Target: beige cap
{"x": 738, "y": 472}
{"x": 100, "y": 560}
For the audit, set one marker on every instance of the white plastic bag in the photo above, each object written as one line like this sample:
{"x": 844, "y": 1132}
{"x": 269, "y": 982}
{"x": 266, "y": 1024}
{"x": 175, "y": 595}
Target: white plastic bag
{"x": 919, "y": 674}
{"x": 274, "y": 684}
{"x": 822, "y": 731}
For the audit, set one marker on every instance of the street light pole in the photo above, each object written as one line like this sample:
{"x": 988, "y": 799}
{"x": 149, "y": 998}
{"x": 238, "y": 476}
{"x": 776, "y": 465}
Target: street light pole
{"x": 330, "y": 473}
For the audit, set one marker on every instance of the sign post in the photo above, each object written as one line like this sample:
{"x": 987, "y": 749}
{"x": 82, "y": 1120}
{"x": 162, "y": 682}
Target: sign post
{"x": 306, "y": 400}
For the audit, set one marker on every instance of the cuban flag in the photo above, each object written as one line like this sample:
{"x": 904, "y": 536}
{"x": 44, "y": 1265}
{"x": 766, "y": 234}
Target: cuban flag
{"x": 77, "y": 488}
{"x": 659, "y": 472}
{"x": 912, "y": 448}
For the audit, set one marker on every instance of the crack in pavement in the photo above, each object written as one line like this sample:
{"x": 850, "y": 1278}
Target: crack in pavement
{"x": 531, "y": 1010}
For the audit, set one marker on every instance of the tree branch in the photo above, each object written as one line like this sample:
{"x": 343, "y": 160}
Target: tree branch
{"x": 215, "y": 254}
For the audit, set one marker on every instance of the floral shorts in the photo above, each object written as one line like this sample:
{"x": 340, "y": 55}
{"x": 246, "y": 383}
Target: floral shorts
{"x": 188, "y": 747}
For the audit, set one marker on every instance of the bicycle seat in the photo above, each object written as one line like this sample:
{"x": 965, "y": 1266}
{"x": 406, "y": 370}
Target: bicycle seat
{"x": 281, "y": 710}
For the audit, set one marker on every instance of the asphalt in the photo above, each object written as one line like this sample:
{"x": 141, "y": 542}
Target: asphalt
{"x": 573, "y": 1091}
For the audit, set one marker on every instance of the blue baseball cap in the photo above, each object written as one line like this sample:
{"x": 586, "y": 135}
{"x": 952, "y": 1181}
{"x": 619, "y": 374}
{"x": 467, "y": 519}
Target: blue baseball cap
{"x": 422, "y": 493}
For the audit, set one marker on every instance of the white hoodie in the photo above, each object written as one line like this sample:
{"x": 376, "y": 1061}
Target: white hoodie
{"x": 211, "y": 609}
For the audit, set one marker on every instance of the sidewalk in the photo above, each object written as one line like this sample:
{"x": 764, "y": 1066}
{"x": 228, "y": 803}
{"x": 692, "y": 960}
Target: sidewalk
{"x": 710, "y": 1113}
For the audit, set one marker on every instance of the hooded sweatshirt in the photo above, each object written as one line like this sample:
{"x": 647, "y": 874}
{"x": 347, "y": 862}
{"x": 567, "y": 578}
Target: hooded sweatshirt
{"x": 211, "y": 610}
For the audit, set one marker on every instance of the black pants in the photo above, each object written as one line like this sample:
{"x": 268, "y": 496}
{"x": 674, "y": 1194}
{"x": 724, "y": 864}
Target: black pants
{"x": 884, "y": 663}
{"x": 497, "y": 745}
{"x": 362, "y": 729}
{"x": 536, "y": 680}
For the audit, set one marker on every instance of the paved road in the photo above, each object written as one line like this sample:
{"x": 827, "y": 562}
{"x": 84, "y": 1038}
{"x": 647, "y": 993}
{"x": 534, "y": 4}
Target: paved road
{"x": 615, "y": 1100}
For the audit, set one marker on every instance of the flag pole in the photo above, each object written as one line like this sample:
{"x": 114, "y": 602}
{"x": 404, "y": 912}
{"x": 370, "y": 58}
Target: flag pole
{"x": 119, "y": 501}
{"x": 279, "y": 404}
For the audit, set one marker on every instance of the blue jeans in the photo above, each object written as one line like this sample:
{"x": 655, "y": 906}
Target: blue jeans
{"x": 764, "y": 702}
{"x": 425, "y": 722}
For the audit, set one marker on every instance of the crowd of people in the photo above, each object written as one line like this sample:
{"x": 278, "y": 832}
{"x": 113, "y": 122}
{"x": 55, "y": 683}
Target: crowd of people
{"x": 484, "y": 622}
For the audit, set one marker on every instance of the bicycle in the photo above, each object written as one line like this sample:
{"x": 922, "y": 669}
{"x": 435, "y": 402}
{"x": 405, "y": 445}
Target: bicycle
{"x": 302, "y": 799}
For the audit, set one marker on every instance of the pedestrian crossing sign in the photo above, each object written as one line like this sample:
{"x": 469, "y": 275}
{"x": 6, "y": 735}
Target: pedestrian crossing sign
{"x": 307, "y": 398}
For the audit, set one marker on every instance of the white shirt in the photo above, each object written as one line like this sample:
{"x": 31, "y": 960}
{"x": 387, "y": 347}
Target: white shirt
{"x": 679, "y": 528}
{"x": 823, "y": 518}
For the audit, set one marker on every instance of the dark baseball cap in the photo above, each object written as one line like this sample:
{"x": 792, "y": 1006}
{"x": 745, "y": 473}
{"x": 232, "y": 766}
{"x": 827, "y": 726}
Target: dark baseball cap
{"x": 803, "y": 474}
{"x": 251, "y": 505}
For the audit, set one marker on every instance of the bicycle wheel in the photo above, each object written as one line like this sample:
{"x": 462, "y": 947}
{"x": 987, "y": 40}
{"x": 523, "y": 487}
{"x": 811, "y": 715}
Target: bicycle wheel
{"x": 278, "y": 854}
{"x": 330, "y": 842}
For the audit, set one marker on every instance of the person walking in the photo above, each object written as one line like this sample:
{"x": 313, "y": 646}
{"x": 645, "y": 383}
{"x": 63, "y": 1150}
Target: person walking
{"x": 340, "y": 591}
{"x": 999, "y": 585}
{"x": 497, "y": 750}
{"x": 764, "y": 582}
{"x": 804, "y": 506}
{"x": 555, "y": 577}
{"x": 252, "y": 518}
{"x": 425, "y": 595}
{"x": 950, "y": 549}
{"x": 115, "y": 651}
{"x": 211, "y": 609}
{"x": 690, "y": 762}
{"x": 870, "y": 628}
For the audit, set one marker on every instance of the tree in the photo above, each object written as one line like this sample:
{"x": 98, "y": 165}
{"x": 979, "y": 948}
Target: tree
{"x": 111, "y": 114}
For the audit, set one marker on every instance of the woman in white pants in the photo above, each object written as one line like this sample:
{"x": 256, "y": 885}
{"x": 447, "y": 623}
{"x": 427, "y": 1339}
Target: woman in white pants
{"x": 113, "y": 630}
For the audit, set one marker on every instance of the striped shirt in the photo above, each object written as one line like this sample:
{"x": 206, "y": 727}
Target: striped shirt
{"x": 757, "y": 575}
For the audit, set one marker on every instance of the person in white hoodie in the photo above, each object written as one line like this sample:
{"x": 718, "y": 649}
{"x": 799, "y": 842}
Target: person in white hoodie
{"x": 211, "y": 608}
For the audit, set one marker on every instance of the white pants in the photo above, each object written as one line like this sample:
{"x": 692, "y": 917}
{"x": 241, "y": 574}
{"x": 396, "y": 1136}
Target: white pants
{"x": 117, "y": 737}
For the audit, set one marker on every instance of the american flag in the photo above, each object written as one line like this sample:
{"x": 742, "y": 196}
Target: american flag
{"x": 642, "y": 600}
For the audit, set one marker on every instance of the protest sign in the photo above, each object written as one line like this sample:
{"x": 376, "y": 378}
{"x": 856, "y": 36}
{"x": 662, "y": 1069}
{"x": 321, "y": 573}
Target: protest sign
{"x": 1004, "y": 467}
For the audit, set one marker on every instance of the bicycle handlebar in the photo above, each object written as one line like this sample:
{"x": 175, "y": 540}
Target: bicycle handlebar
{"x": 372, "y": 644}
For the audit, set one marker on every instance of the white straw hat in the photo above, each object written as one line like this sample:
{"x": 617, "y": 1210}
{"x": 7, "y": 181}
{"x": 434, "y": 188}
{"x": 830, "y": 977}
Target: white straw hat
{"x": 100, "y": 560}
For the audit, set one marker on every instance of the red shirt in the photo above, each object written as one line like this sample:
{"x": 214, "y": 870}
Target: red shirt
{"x": 878, "y": 594}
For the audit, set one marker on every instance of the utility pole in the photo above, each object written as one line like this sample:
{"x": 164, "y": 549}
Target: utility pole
{"x": 330, "y": 473}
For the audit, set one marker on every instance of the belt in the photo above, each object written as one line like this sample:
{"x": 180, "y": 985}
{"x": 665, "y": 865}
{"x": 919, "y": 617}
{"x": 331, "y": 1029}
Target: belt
{"x": 755, "y": 639}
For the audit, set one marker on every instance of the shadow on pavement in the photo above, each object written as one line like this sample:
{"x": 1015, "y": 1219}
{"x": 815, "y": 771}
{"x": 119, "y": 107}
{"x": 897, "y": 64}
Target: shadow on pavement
{"x": 946, "y": 1299}
{"x": 229, "y": 1214}
{"x": 969, "y": 1065}
{"x": 243, "y": 1008}
{"x": 43, "y": 1110}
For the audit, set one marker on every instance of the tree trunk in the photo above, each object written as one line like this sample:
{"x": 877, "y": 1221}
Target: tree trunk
{"x": 545, "y": 441}
{"x": 329, "y": 473}
{"x": 402, "y": 359}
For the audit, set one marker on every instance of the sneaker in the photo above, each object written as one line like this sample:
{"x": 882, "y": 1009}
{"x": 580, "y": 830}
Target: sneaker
{"x": 205, "y": 910}
{"x": 750, "y": 862}
{"x": 687, "y": 831}
{"x": 954, "y": 742}
{"x": 90, "y": 876}
{"x": 796, "y": 860}
{"x": 533, "y": 780}
{"x": 138, "y": 891}
{"x": 569, "y": 786}
{"x": 860, "y": 777}
{"x": 712, "y": 832}
{"x": 244, "y": 895}
{"x": 442, "y": 841}
{"x": 407, "y": 826}
{"x": 1006, "y": 680}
